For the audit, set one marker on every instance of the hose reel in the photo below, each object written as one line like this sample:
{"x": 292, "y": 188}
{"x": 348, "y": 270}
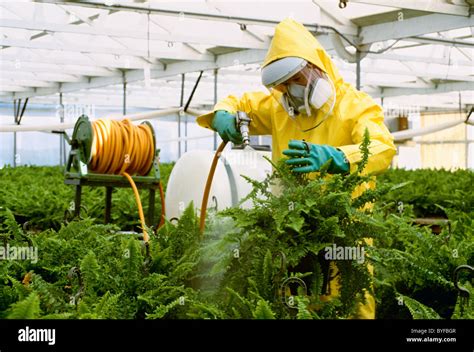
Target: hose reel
{"x": 109, "y": 153}
{"x": 81, "y": 155}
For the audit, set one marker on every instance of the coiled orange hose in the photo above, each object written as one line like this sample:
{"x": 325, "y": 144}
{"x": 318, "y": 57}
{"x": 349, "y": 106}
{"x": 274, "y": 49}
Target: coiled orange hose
{"x": 121, "y": 148}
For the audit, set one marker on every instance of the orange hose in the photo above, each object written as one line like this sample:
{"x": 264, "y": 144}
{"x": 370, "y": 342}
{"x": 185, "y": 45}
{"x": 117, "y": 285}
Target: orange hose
{"x": 139, "y": 204}
{"x": 163, "y": 210}
{"x": 207, "y": 189}
{"x": 121, "y": 148}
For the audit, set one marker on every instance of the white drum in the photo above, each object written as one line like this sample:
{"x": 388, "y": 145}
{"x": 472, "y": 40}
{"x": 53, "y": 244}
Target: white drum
{"x": 188, "y": 179}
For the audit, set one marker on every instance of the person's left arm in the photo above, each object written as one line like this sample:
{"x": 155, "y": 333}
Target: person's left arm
{"x": 366, "y": 114}
{"x": 363, "y": 113}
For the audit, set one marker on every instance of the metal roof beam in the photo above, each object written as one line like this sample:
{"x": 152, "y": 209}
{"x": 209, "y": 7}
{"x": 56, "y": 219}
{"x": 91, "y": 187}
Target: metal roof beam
{"x": 17, "y": 88}
{"x": 436, "y": 6}
{"x": 441, "y": 41}
{"x": 411, "y": 58}
{"x": 213, "y": 39}
{"x": 329, "y": 9}
{"x": 439, "y": 88}
{"x": 231, "y": 59}
{"x": 414, "y": 26}
{"x": 183, "y": 53}
{"x": 47, "y": 77}
{"x": 43, "y": 32}
{"x": 27, "y": 83}
{"x": 346, "y": 29}
{"x": 422, "y": 74}
{"x": 394, "y": 84}
{"x": 47, "y": 67}
{"x": 104, "y": 60}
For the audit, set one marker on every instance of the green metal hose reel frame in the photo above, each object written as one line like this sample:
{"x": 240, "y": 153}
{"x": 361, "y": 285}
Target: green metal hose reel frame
{"x": 78, "y": 173}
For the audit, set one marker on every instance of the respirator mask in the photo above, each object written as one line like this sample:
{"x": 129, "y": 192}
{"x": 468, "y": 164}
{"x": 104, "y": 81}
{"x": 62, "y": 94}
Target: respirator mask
{"x": 308, "y": 92}
{"x": 305, "y": 89}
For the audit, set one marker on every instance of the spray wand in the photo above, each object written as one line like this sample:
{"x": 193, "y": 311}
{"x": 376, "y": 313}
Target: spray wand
{"x": 242, "y": 122}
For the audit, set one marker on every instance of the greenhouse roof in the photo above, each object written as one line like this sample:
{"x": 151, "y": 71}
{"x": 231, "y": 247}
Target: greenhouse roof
{"x": 419, "y": 52}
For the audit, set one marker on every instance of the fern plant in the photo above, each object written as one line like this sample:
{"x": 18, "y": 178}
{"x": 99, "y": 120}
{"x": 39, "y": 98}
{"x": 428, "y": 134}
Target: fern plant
{"x": 283, "y": 236}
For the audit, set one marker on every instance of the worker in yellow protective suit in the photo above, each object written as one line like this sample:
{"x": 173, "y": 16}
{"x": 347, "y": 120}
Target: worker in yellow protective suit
{"x": 311, "y": 113}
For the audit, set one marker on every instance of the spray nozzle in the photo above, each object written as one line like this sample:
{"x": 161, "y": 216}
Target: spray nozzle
{"x": 243, "y": 122}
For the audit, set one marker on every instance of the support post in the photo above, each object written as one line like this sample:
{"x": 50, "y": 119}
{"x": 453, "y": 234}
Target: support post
{"x": 62, "y": 140}
{"x": 358, "y": 60}
{"x": 15, "y": 116}
{"x": 124, "y": 100}
{"x": 108, "y": 203}
{"x": 215, "y": 102}
{"x": 185, "y": 133}
{"x": 77, "y": 201}
{"x": 14, "y": 149}
{"x": 465, "y": 129}
{"x": 181, "y": 102}
{"x": 151, "y": 207}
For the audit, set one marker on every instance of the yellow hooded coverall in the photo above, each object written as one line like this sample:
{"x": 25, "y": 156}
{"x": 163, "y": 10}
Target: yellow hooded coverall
{"x": 353, "y": 112}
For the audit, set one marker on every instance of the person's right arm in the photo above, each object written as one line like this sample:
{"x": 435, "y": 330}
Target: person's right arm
{"x": 257, "y": 105}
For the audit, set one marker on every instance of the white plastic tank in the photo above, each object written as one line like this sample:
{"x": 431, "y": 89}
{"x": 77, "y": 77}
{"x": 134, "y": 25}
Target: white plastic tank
{"x": 188, "y": 179}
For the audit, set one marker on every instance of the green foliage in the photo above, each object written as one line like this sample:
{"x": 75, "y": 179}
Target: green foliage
{"x": 132, "y": 263}
{"x": 263, "y": 310}
{"x": 29, "y": 308}
{"x": 261, "y": 263}
{"x": 303, "y": 311}
{"x": 39, "y": 199}
{"x": 282, "y": 237}
{"x": 162, "y": 310}
{"x": 465, "y": 307}
{"x": 418, "y": 310}
{"x": 429, "y": 191}
{"x": 411, "y": 259}
{"x": 90, "y": 271}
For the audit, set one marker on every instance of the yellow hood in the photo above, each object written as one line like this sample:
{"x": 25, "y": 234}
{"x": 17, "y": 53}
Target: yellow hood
{"x": 293, "y": 39}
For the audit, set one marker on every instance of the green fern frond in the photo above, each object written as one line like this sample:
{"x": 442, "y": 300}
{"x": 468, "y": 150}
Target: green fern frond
{"x": 29, "y": 308}
{"x": 11, "y": 225}
{"x": 162, "y": 310}
{"x": 58, "y": 316}
{"x": 302, "y": 304}
{"x": 90, "y": 272}
{"x": 52, "y": 299}
{"x": 21, "y": 290}
{"x": 263, "y": 310}
{"x": 107, "y": 306}
{"x": 419, "y": 310}
{"x": 132, "y": 261}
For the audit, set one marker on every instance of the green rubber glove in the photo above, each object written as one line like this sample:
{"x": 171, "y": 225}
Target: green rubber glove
{"x": 224, "y": 123}
{"x": 308, "y": 157}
